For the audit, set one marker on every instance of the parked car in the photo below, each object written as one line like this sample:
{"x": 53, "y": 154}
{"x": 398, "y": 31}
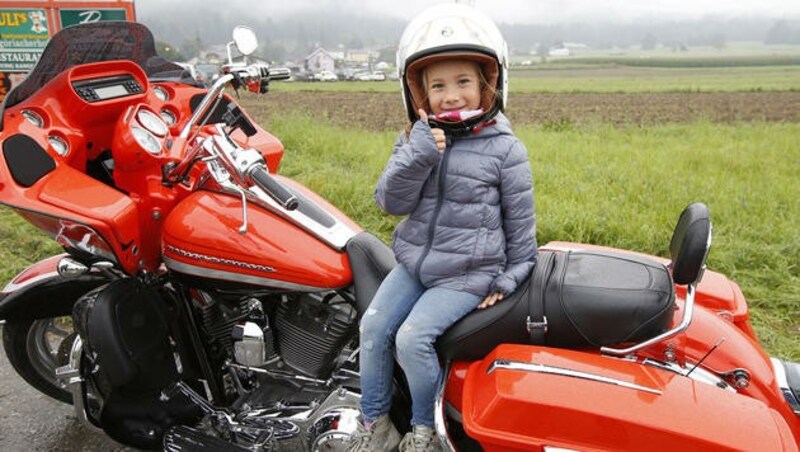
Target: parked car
{"x": 375, "y": 76}
{"x": 326, "y": 76}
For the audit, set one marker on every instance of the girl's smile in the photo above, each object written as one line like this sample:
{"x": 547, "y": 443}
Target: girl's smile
{"x": 453, "y": 85}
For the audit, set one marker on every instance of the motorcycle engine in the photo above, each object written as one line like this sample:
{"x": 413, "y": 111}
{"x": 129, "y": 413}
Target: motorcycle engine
{"x": 304, "y": 332}
{"x": 290, "y": 360}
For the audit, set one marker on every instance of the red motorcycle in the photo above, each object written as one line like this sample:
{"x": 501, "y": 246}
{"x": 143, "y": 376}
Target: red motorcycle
{"x": 206, "y": 303}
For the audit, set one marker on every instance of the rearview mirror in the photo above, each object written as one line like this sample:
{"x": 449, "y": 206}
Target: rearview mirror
{"x": 245, "y": 39}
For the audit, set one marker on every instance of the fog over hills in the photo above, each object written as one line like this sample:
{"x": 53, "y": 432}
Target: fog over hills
{"x": 293, "y": 34}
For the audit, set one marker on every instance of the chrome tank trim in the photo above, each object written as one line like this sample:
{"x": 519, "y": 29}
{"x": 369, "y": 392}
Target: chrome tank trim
{"x": 220, "y": 260}
{"x": 335, "y": 236}
{"x": 544, "y": 369}
{"x": 238, "y": 277}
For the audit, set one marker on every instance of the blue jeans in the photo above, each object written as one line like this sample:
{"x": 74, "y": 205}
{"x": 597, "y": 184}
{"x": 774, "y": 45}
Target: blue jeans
{"x": 406, "y": 316}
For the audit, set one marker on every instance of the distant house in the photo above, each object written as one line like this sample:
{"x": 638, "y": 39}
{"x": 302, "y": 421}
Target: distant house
{"x": 361, "y": 56}
{"x": 357, "y": 56}
{"x": 567, "y": 49}
{"x": 320, "y": 60}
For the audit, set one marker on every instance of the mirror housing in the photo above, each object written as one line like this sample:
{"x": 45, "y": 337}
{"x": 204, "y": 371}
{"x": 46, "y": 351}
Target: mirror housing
{"x": 245, "y": 40}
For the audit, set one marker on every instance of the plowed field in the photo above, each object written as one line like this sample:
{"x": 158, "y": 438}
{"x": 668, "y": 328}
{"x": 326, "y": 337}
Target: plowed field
{"x": 382, "y": 111}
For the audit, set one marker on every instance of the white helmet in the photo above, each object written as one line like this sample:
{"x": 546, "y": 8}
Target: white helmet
{"x": 447, "y": 31}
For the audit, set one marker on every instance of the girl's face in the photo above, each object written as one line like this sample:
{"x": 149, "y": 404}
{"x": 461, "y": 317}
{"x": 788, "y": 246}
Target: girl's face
{"x": 453, "y": 85}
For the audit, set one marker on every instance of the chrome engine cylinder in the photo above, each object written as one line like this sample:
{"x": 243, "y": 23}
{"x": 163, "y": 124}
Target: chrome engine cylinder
{"x": 248, "y": 347}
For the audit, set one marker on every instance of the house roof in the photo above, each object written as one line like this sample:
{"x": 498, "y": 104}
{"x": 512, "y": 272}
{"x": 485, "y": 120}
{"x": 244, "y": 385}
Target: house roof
{"x": 320, "y": 50}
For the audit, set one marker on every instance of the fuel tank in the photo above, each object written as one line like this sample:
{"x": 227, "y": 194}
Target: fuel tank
{"x": 529, "y": 397}
{"x": 201, "y": 238}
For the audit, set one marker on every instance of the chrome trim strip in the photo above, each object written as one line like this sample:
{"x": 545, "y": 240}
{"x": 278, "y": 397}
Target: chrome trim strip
{"x": 438, "y": 413}
{"x": 783, "y": 385}
{"x": 544, "y": 369}
{"x": 780, "y": 373}
{"x": 238, "y": 277}
{"x": 699, "y": 374}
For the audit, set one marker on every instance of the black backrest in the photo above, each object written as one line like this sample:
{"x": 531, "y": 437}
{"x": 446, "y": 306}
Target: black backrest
{"x": 690, "y": 244}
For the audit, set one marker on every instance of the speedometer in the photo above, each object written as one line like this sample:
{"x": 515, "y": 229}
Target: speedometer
{"x": 152, "y": 122}
{"x": 146, "y": 140}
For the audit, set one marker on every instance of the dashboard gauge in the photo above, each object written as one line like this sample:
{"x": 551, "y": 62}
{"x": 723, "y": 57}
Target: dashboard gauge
{"x": 152, "y": 122}
{"x": 33, "y": 118}
{"x": 59, "y": 145}
{"x": 161, "y": 93}
{"x": 169, "y": 117}
{"x": 146, "y": 140}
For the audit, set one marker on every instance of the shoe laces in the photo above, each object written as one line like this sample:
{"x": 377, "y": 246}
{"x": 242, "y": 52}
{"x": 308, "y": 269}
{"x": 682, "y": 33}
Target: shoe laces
{"x": 421, "y": 440}
{"x": 362, "y": 439}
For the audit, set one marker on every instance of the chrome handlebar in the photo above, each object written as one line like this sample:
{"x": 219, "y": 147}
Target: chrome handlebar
{"x": 255, "y": 76}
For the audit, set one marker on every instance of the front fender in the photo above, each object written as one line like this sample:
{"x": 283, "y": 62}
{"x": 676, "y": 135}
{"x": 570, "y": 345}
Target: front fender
{"x": 40, "y": 292}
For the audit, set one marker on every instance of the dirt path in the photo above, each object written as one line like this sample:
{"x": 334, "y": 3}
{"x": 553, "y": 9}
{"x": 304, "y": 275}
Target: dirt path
{"x": 382, "y": 111}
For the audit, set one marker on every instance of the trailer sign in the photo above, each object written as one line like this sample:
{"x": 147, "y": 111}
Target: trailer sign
{"x": 23, "y": 35}
{"x": 83, "y": 16}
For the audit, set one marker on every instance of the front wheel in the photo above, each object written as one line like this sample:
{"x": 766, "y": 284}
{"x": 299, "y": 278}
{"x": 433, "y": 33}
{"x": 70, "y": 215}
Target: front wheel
{"x": 36, "y": 348}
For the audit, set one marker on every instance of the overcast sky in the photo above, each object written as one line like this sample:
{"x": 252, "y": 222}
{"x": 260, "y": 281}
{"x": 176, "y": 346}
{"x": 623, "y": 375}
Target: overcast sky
{"x": 511, "y": 11}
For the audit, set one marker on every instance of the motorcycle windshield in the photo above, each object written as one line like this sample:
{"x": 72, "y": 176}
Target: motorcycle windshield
{"x": 91, "y": 43}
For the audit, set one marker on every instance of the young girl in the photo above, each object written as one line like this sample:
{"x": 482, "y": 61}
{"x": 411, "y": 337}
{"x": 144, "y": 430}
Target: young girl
{"x": 469, "y": 238}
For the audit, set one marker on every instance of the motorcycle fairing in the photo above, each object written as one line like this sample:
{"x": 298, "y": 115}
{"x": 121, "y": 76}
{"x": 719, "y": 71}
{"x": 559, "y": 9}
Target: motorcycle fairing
{"x": 589, "y": 396}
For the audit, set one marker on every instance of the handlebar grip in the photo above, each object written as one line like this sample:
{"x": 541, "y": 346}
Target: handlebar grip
{"x": 274, "y": 188}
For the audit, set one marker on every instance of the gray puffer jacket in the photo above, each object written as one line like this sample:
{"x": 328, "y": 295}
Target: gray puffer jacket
{"x": 471, "y": 224}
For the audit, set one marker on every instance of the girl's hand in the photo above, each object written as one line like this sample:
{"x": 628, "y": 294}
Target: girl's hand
{"x": 490, "y": 300}
{"x": 438, "y": 134}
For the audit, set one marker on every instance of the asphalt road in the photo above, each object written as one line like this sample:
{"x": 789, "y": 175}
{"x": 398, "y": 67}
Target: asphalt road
{"x": 31, "y": 421}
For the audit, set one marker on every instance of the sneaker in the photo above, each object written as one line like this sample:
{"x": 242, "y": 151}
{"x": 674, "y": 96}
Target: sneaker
{"x": 421, "y": 439}
{"x": 380, "y": 436}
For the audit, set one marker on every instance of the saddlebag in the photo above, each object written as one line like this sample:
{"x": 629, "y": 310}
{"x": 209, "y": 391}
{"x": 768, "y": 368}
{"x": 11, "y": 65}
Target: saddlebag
{"x": 124, "y": 325}
{"x": 575, "y": 299}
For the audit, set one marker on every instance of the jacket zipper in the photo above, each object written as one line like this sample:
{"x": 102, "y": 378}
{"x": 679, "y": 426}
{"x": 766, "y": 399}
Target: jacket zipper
{"x": 439, "y": 202}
